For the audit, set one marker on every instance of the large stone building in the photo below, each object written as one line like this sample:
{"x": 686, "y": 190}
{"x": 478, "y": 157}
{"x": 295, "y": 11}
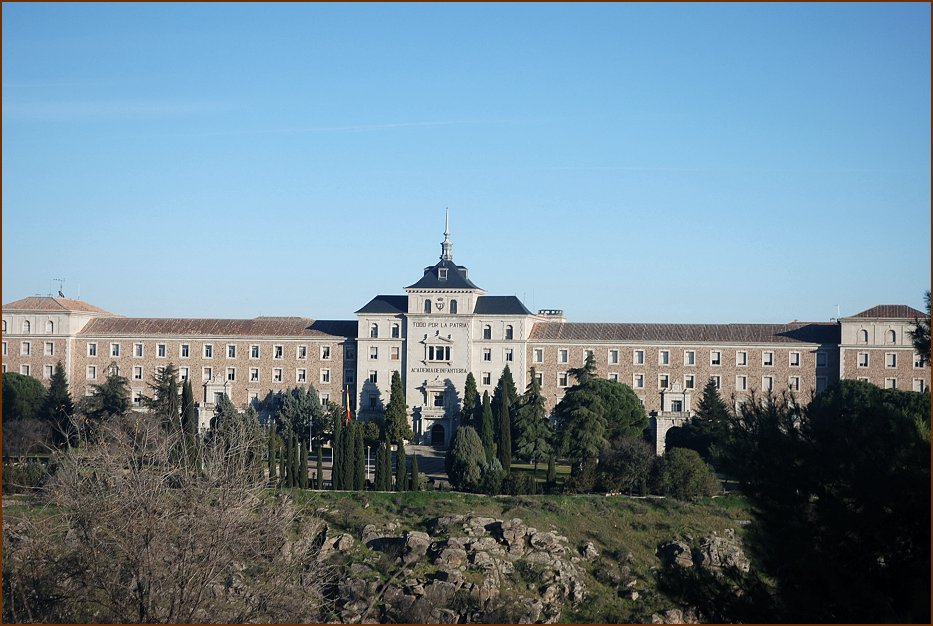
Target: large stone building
{"x": 444, "y": 327}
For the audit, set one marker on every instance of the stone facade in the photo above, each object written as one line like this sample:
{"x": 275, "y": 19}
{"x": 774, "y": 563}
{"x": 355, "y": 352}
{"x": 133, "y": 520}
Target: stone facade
{"x": 444, "y": 327}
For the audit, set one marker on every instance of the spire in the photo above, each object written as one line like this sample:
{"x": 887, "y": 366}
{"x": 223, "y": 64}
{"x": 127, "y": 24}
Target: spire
{"x": 446, "y": 245}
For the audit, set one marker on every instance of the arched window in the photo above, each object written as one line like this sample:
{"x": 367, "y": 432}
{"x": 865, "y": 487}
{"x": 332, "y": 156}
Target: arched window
{"x": 892, "y": 336}
{"x": 863, "y": 336}
{"x": 373, "y": 330}
{"x": 27, "y": 327}
{"x": 453, "y": 307}
{"x": 427, "y": 306}
{"x": 396, "y": 331}
{"x": 487, "y": 332}
{"x": 50, "y": 327}
{"x": 508, "y": 332}
{"x": 4, "y": 325}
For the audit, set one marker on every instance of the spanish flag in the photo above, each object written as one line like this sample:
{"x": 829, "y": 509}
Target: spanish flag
{"x": 348, "y": 403}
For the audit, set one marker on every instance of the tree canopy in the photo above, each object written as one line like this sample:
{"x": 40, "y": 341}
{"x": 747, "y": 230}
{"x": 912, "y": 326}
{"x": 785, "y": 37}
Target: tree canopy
{"x": 397, "y": 423}
{"x": 533, "y": 432}
{"x": 23, "y": 397}
{"x": 465, "y": 459}
{"x": 921, "y": 332}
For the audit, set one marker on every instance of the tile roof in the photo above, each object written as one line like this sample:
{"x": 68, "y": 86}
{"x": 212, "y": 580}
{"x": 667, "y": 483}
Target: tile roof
{"x": 796, "y": 332}
{"x": 386, "y": 304}
{"x": 46, "y": 303}
{"x": 897, "y": 311}
{"x": 500, "y": 305}
{"x": 258, "y": 327}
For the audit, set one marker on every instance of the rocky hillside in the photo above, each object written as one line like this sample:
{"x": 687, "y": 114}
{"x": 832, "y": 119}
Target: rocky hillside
{"x": 457, "y": 558}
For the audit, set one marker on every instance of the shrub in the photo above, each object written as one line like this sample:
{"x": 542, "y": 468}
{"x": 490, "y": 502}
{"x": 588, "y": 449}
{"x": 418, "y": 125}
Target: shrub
{"x": 465, "y": 459}
{"x": 519, "y": 484}
{"x": 681, "y": 473}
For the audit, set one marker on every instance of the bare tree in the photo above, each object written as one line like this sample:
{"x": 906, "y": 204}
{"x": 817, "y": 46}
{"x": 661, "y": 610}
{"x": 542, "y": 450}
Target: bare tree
{"x": 134, "y": 531}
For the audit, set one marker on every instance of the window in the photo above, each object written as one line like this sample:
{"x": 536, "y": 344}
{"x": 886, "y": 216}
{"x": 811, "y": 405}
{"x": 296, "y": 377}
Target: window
{"x": 24, "y": 370}
{"x": 862, "y": 359}
{"x": 587, "y": 354}
{"x": 4, "y": 325}
{"x": 27, "y": 327}
{"x": 349, "y": 376}
{"x": 138, "y": 373}
{"x": 325, "y": 353}
{"x": 689, "y": 382}
{"x": 562, "y": 380}
{"x": 715, "y": 357}
{"x": 563, "y": 355}
{"x": 613, "y": 357}
{"x": 349, "y": 352}
{"x": 25, "y": 348}
{"x": 182, "y": 374}
{"x": 373, "y": 352}
{"x": 301, "y": 352}
{"x": 373, "y": 376}
{"x": 254, "y": 352}
{"x": 374, "y": 330}
{"x": 160, "y": 350}
{"x": 690, "y": 357}
{"x": 767, "y": 358}
{"x": 540, "y": 378}
{"x": 114, "y": 349}
{"x": 614, "y": 377}
{"x": 49, "y": 348}
{"x": 638, "y": 381}
{"x": 664, "y": 357}
{"x": 137, "y": 398}
{"x": 716, "y": 381}
{"x": 394, "y": 353}
{"x": 864, "y": 379}
{"x": 277, "y": 374}
{"x": 438, "y": 353}
{"x": 919, "y": 385}
{"x": 183, "y": 350}
{"x": 537, "y": 355}
{"x": 438, "y": 399}
{"x": 795, "y": 359}
{"x": 863, "y": 336}
{"x": 918, "y": 361}
{"x": 487, "y": 378}
{"x": 508, "y": 354}
{"x": 677, "y": 406}
{"x": 301, "y": 375}
{"x": 49, "y": 327}
{"x": 487, "y": 332}
{"x": 767, "y": 383}
{"x": 208, "y": 351}
{"x": 890, "y": 383}
{"x": 254, "y": 374}
{"x": 92, "y": 372}
{"x": 396, "y": 331}
{"x": 487, "y": 354}
{"x": 794, "y": 383}
{"x": 890, "y": 359}
{"x": 741, "y": 358}
{"x": 231, "y": 351}
{"x": 278, "y": 351}
{"x": 741, "y": 383}
{"x": 231, "y": 374}
{"x": 891, "y": 336}
{"x": 453, "y": 307}
{"x": 509, "y": 333}
{"x": 207, "y": 374}
{"x": 92, "y": 349}
{"x": 4, "y": 348}
{"x": 442, "y": 273}
{"x": 663, "y": 381}
{"x": 47, "y": 372}
{"x": 638, "y": 357}
{"x": 137, "y": 350}
{"x": 427, "y": 306}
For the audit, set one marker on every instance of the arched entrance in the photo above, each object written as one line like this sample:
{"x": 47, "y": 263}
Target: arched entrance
{"x": 437, "y": 435}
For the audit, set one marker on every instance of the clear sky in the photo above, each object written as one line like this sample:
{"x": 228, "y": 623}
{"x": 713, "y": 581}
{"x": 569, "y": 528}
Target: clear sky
{"x": 623, "y": 162}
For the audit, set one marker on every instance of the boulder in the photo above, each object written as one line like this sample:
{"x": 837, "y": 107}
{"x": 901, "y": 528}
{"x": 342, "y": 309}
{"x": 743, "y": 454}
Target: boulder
{"x": 544, "y": 541}
{"x": 676, "y": 554}
{"x": 719, "y": 552}
{"x": 416, "y": 545}
{"x": 589, "y": 552}
{"x": 451, "y": 557}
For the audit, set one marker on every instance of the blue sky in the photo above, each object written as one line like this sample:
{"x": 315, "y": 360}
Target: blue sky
{"x": 623, "y": 162}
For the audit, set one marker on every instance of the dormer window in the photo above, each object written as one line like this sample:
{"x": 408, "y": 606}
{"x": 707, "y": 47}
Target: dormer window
{"x": 442, "y": 273}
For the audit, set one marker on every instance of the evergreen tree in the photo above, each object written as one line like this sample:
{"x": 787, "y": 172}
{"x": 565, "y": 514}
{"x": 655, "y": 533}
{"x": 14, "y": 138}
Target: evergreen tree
{"x": 581, "y": 419}
{"x": 415, "y": 483}
{"x": 486, "y": 433}
{"x": 707, "y": 430}
{"x": 58, "y": 409}
{"x": 379, "y": 477}
{"x": 109, "y": 399}
{"x": 359, "y": 457}
{"x": 348, "y": 465}
{"x": 504, "y": 448}
{"x": 466, "y": 459}
{"x": 319, "y": 470}
{"x": 303, "y": 465}
{"x": 164, "y": 401}
{"x": 401, "y": 471}
{"x": 551, "y": 472}
{"x": 532, "y": 427}
{"x": 270, "y": 457}
{"x": 189, "y": 418}
{"x": 387, "y": 470}
{"x": 471, "y": 402}
{"x": 336, "y": 470}
{"x": 283, "y": 463}
{"x": 23, "y": 397}
{"x": 397, "y": 423}
{"x": 920, "y": 335}
{"x": 504, "y": 393}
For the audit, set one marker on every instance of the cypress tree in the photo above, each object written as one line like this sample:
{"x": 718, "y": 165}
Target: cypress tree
{"x": 359, "y": 458}
{"x": 397, "y": 423}
{"x": 551, "y": 471}
{"x": 347, "y": 463}
{"x": 400, "y": 470}
{"x": 485, "y": 433}
{"x": 380, "y": 468}
{"x": 320, "y": 467}
{"x": 505, "y": 433}
{"x": 270, "y": 457}
{"x": 189, "y": 418}
{"x": 471, "y": 402}
{"x": 336, "y": 470}
{"x": 58, "y": 408}
{"x": 531, "y": 426}
{"x": 303, "y": 465}
{"x": 282, "y": 463}
{"x": 387, "y": 470}
{"x": 415, "y": 483}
